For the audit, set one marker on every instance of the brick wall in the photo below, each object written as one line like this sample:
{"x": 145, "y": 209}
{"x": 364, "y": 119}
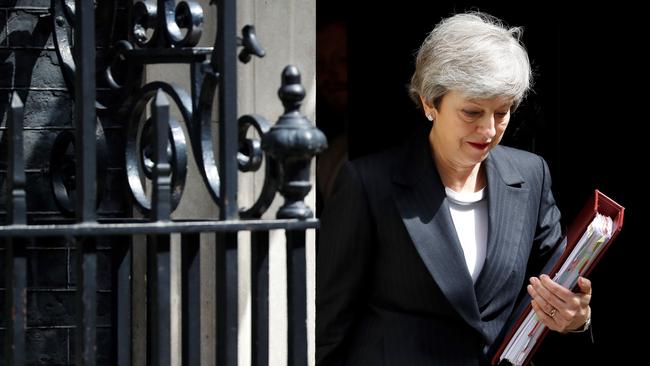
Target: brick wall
{"x": 29, "y": 66}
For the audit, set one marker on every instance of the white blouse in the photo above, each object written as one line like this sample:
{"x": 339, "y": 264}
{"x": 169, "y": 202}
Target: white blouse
{"x": 469, "y": 213}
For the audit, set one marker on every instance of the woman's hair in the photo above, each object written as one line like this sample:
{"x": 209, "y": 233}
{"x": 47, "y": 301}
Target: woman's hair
{"x": 474, "y": 54}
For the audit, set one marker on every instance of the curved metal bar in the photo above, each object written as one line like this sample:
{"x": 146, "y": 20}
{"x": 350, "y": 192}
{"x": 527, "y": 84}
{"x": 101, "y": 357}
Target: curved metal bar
{"x": 144, "y": 18}
{"x": 250, "y": 157}
{"x": 167, "y": 20}
{"x": 117, "y": 55}
{"x": 62, "y": 169}
{"x": 250, "y": 44}
{"x": 201, "y": 134}
{"x": 176, "y": 151}
{"x": 63, "y": 15}
{"x": 69, "y": 10}
{"x": 188, "y": 15}
{"x": 250, "y": 153}
{"x": 139, "y": 133}
{"x": 63, "y": 12}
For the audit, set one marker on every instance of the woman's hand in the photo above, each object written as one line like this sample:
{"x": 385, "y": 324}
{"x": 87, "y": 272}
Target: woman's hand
{"x": 557, "y": 307}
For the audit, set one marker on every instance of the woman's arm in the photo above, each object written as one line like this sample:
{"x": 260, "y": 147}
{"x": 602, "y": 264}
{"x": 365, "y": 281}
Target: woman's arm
{"x": 342, "y": 264}
{"x": 558, "y": 308}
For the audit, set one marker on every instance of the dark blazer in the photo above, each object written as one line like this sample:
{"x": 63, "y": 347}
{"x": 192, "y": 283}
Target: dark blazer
{"x": 392, "y": 286}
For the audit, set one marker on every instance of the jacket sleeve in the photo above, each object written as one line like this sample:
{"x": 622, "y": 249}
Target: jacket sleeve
{"x": 548, "y": 231}
{"x": 342, "y": 263}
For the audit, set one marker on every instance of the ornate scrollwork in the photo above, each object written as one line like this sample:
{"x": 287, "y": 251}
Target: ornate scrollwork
{"x": 177, "y": 25}
{"x": 139, "y": 145}
{"x": 116, "y": 58}
{"x": 63, "y": 20}
{"x": 250, "y": 158}
{"x": 201, "y": 134}
{"x": 165, "y": 24}
{"x": 63, "y": 169}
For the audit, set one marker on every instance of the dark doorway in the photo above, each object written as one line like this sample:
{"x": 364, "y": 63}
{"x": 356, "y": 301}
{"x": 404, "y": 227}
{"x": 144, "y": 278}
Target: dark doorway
{"x": 582, "y": 117}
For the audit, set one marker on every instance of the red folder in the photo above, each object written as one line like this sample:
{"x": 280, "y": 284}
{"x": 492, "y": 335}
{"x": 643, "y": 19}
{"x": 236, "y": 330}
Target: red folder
{"x": 598, "y": 203}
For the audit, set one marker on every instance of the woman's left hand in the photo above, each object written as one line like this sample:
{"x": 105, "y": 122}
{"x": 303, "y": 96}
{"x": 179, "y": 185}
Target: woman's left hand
{"x": 557, "y": 307}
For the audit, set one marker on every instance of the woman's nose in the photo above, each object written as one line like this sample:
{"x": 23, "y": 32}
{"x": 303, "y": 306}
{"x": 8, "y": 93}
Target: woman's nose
{"x": 487, "y": 126}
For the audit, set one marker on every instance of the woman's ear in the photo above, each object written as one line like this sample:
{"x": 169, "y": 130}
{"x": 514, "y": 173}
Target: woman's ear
{"x": 429, "y": 110}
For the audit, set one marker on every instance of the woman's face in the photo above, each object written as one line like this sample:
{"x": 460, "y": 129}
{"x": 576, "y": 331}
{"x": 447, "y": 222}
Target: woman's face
{"x": 465, "y": 130}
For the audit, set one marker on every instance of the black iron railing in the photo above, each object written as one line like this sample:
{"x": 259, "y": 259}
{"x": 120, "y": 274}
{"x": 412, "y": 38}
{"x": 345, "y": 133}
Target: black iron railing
{"x": 156, "y": 156}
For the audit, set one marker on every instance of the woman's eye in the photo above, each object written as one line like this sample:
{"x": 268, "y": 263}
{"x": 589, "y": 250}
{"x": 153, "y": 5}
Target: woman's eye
{"x": 471, "y": 113}
{"x": 501, "y": 114}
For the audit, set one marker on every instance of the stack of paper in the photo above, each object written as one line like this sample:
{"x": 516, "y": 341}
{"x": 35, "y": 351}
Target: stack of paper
{"x": 598, "y": 233}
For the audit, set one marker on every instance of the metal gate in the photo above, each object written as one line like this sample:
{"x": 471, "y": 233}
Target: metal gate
{"x": 155, "y": 168}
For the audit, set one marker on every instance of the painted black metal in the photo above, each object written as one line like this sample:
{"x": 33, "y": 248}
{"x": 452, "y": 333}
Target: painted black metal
{"x": 166, "y": 55}
{"x": 62, "y": 18}
{"x": 15, "y": 259}
{"x": 165, "y": 31}
{"x": 15, "y": 300}
{"x": 292, "y": 142}
{"x": 251, "y": 46}
{"x": 140, "y": 140}
{"x": 191, "y": 298}
{"x": 86, "y": 177}
{"x": 201, "y": 133}
{"x": 63, "y": 169}
{"x": 135, "y": 226}
{"x": 164, "y": 20}
{"x": 118, "y": 57}
{"x": 85, "y": 118}
{"x": 260, "y": 298}
{"x": 226, "y": 52}
{"x": 86, "y": 300}
{"x": 296, "y": 298}
{"x": 16, "y": 196}
{"x": 226, "y": 298}
{"x": 121, "y": 327}
{"x": 159, "y": 300}
{"x": 161, "y": 170}
{"x": 250, "y": 158}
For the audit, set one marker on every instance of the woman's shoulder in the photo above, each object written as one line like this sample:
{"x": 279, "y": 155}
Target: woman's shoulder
{"x": 516, "y": 156}
{"x": 384, "y": 162}
{"x": 525, "y": 163}
{"x": 380, "y": 162}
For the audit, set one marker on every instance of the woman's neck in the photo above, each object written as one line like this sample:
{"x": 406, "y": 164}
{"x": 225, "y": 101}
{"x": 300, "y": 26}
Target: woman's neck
{"x": 459, "y": 178}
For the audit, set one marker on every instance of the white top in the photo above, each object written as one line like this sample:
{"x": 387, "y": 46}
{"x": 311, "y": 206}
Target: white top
{"x": 470, "y": 215}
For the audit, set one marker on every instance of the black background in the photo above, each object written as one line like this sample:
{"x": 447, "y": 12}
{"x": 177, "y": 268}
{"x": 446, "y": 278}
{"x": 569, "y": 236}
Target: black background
{"x": 587, "y": 116}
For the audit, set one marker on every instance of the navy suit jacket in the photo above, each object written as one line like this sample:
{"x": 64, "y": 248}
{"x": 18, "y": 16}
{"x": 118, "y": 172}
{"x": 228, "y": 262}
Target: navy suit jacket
{"x": 392, "y": 286}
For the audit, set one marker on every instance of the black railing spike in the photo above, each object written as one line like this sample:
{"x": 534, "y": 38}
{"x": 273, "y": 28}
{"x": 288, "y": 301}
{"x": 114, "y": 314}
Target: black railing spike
{"x": 16, "y": 197}
{"x": 14, "y": 259}
{"x": 161, "y": 197}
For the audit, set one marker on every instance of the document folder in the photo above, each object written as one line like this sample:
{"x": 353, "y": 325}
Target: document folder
{"x": 597, "y": 204}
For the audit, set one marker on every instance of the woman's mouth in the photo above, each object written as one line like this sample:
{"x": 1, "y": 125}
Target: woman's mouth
{"x": 479, "y": 146}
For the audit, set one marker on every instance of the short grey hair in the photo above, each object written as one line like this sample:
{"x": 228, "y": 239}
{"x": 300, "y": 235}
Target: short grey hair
{"x": 474, "y": 54}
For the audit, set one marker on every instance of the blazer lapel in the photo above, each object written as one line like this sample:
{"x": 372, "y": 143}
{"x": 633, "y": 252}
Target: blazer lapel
{"x": 507, "y": 201}
{"x": 421, "y": 201}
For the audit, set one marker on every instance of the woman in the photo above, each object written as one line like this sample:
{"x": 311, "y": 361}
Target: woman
{"x": 425, "y": 248}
